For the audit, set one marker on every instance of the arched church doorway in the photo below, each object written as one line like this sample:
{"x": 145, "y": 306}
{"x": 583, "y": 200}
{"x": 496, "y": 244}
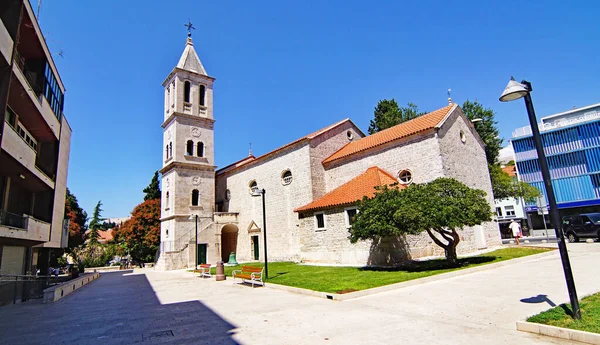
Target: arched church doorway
{"x": 229, "y": 235}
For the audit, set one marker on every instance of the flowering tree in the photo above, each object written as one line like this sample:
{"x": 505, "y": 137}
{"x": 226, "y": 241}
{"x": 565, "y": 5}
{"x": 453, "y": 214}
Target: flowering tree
{"x": 141, "y": 233}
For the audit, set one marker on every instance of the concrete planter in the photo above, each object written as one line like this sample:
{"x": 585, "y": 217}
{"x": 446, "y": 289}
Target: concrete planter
{"x": 60, "y": 291}
{"x": 559, "y": 332}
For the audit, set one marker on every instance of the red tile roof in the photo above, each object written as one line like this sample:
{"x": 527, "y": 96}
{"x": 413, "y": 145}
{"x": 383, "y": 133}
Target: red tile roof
{"x": 246, "y": 160}
{"x": 353, "y": 190}
{"x": 511, "y": 170}
{"x": 414, "y": 126}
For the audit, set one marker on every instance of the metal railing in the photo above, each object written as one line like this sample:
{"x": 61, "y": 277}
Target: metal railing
{"x": 13, "y": 220}
{"x": 183, "y": 241}
{"x": 20, "y": 288}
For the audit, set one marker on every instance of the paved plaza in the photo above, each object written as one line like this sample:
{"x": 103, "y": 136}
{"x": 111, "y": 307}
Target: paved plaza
{"x": 177, "y": 308}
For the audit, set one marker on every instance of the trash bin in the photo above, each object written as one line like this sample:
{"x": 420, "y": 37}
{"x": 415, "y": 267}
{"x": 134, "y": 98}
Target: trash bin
{"x": 220, "y": 274}
{"x": 74, "y": 272}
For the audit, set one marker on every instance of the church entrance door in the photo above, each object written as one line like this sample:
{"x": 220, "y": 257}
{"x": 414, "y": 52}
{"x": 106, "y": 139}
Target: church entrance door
{"x": 255, "y": 247}
{"x": 229, "y": 235}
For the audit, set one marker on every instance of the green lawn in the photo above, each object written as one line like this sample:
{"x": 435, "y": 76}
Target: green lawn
{"x": 560, "y": 316}
{"x": 347, "y": 279}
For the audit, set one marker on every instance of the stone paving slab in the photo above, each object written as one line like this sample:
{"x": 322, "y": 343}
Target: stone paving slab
{"x": 142, "y": 306}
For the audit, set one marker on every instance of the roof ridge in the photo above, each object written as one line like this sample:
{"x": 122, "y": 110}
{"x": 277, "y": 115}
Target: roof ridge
{"x": 401, "y": 130}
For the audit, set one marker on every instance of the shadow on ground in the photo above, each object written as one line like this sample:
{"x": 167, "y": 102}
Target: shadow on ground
{"x": 544, "y": 298}
{"x": 118, "y": 308}
{"x": 431, "y": 265}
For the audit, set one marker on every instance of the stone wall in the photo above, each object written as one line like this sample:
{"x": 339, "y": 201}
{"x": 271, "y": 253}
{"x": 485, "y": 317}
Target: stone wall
{"x": 421, "y": 155}
{"x": 332, "y": 245}
{"x": 280, "y": 199}
{"x": 324, "y": 146}
{"x": 466, "y": 162}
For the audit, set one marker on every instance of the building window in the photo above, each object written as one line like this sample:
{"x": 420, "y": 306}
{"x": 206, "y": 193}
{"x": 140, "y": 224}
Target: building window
{"x": 167, "y": 201}
{"x": 351, "y": 216}
{"x": 195, "y": 197}
{"x": 227, "y": 195}
{"x": 349, "y": 135}
{"x": 167, "y": 233}
{"x": 167, "y": 152}
{"x": 202, "y": 94}
{"x": 200, "y": 149}
{"x": 463, "y": 137}
{"x": 52, "y": 92}
{"x": 253, "y": 187}
{"x": 499, "y": 211}
{"x": 186, "y": 91}
{"x": 189, "y": 148}
{"x": 405, "y": 176}
{"x": 510, "y": 211}
{"x": 286, "y": 177}
{"x": 171, "y": 149}
{"x": 11, "y": 117}
{"x": 320, "y": 221}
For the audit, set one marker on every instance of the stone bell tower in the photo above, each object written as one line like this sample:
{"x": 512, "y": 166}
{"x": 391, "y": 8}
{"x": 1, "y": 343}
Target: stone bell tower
{"x": 188, "y": 170}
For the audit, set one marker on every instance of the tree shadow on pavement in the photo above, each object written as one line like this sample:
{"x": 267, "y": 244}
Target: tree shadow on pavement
{"x": 117, "y": 308}
{"x": 431, "y": 265}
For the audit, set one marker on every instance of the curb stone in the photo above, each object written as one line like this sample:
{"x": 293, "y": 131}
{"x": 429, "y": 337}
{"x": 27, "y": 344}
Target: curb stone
{"x": 559, "y": 332}
{"x": 419, "y": 281}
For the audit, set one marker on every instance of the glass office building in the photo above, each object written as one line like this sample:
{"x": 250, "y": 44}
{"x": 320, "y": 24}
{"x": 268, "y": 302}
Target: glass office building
{"x": 572, "y": 145}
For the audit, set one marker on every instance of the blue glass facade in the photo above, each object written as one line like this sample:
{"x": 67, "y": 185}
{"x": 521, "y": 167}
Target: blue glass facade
{"x": 573, "y": 154}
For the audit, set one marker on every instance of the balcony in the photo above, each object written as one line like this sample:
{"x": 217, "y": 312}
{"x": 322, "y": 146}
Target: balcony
{"x": 226, "y": 217}
{"x": 23, "y": 153}
{"x": 23, "y": 227}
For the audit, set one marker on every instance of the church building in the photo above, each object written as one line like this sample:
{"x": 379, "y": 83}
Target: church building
{"x": 310, "y": 186}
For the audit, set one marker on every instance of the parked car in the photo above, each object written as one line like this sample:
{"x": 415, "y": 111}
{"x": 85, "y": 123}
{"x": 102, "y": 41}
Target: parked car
{"x": 586, "y": 225}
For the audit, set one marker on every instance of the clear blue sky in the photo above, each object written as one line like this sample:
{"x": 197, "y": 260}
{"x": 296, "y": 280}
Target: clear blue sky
{"x": 285, "y": 69}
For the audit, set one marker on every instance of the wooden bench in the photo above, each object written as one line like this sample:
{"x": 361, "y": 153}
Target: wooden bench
{"x": 249, "y": 273}
{"x": 204, "y": 270}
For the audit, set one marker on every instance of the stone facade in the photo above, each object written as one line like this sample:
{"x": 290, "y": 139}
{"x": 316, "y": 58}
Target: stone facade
{"x": 230, "y": 206}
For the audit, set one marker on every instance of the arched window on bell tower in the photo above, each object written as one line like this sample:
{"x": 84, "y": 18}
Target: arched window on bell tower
{"x": 202, "y": 94}
{"x": 190, "y": 148}
{"x": 171, "y": 149}
{"x": 200, "y": 149}
{"x": 186, "y": 91}
{"x": 167, "y": 152}
{"x": 195, "y": 197}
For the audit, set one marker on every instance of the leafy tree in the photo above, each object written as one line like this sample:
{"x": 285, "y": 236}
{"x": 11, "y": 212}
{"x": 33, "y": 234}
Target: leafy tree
{"x": 77, "y": 219}
{"x": 486, "y": 128}
{"x": 95, "y": 223}
{"x": 388, "y": 114}
{"x": 505, "y": 186}
{"x": 141, "y": 232}
{"x": 153, "y": 189}
{"x": 440, "y": 208}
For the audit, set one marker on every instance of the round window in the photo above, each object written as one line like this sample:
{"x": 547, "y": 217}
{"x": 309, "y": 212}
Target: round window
{"x": 227, "y": 195}
{"x": 349, "y": 135}
{"x": 405, "y": 176}
{"x": 286, "y": 177}
{"x": 463, "y": 137}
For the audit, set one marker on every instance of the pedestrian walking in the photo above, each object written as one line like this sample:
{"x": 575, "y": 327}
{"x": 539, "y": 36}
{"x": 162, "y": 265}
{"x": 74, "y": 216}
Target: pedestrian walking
{"x": 515, "y": 227}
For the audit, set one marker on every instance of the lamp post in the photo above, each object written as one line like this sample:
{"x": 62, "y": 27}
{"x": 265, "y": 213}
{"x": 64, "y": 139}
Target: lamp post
{"x": 514, "y": 91}
{"x": 195, "y": 216}
{"x": 257, "y": 192}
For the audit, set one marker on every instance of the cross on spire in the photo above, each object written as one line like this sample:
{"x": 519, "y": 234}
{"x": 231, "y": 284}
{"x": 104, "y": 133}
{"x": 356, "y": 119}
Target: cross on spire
{"x": 189, "y": 27}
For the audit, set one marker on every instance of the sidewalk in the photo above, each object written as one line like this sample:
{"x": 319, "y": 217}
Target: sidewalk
{"x": 180, "y": 308}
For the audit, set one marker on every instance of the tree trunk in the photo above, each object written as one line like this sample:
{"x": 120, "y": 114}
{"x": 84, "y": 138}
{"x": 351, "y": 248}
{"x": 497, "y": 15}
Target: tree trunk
{"x": 451, "y": 249}
{"x": 451, "y": 255}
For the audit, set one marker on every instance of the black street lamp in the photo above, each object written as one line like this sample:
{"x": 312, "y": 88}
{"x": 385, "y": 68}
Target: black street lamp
{"x": 195, "y": 216}
{"x": 257, "y": 192}
{"x": 514, "y": 91}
